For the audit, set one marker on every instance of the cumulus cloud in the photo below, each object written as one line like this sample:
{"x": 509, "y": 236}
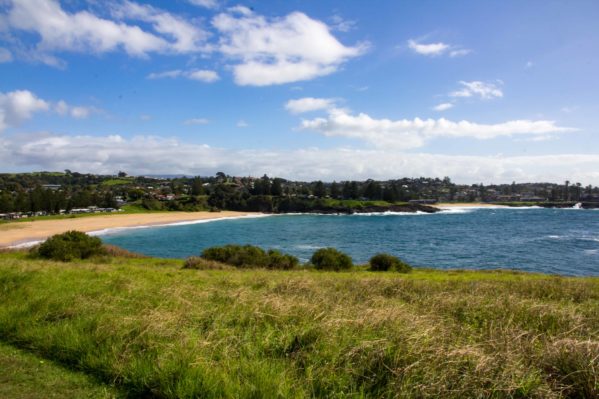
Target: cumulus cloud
{"x": 437, "y": 49}
{"x": 308, "y": 104}
{"x": 443, "y": 107}
{"x": 185, "y": 36}
{"x": 414, "y": 133}
{"x": 484, "y": 90}
{"x": 81, "y": 31}
{"x": 431, "y": 49}
{"x": 270, "y": 51}
{"x": 86, "y": 32}
{"x": 202, "y": 75}
{"x": 150, "y": 155}
{"x": 78, "y": 112}
{"x": 18, "y": 106}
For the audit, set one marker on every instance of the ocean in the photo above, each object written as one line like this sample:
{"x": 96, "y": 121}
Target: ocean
{"x": 556, "y": 241}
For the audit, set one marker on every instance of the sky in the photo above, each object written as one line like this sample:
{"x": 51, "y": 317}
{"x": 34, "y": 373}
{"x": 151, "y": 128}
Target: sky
{"x": 479, "y": 91}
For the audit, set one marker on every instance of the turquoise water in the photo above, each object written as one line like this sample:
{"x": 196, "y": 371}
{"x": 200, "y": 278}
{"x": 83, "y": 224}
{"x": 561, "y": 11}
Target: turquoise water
{"x": 562, "y": 241}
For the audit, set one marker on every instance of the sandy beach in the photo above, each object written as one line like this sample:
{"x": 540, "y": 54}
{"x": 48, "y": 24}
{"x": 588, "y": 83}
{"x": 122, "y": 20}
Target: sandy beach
{"x": 22, "y": 232}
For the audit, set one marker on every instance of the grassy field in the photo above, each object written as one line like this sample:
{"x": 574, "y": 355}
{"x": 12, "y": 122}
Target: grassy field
{"x": 153, "y": 329}
{"x": 26, "y": 376}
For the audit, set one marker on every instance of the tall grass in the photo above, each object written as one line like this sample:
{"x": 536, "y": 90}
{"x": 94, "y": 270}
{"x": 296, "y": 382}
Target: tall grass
{"x": 158, "y": 330}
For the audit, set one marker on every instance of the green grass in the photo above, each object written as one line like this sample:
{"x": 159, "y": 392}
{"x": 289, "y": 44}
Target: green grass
{"x": 126, "y": 209}
{"x": 26, "y": 376}
{"x": 154, "y": 329}
{"x": 117, "y": 182}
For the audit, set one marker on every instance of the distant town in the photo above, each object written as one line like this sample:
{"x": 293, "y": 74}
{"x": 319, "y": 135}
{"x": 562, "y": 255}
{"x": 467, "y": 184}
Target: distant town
{"x": 25, "y": 195}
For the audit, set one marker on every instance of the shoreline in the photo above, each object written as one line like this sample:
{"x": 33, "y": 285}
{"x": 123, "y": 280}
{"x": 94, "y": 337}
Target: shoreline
{"x": 447, "y": 205}
{"x": 29, "y": 233}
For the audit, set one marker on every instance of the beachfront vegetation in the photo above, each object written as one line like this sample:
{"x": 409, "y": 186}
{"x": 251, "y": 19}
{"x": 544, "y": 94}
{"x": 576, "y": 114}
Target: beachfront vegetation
{"x": 386, "y": 262}
{"x": 331, "y": 259}
{"x": 153, "y": 329}
{"x": 69, "y": 246}
{"x": 34, "y": 194}
{"x": 249, "y": 256}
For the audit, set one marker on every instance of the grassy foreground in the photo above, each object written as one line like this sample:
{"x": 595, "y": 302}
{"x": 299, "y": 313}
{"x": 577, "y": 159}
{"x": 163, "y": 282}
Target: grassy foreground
{"x": 25, "y": 376}
{"x": 155, "y": 330}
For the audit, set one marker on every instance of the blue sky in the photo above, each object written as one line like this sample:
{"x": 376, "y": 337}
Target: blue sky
{"x": 481, "y": 91}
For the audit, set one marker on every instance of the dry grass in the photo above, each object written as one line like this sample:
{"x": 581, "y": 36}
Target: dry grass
{"x": 158, "y": 330}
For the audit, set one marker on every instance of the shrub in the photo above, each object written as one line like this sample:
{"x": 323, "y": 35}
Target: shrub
{"x": 331, "y": 259}
{"x": 118, "y": 252}
{"x": 197, "y": 263}
{"x": 245, "y": 256}
{"x": 279, "y": 260}
{"x": 385, "y": 262}
{"x": 69, "y": 246}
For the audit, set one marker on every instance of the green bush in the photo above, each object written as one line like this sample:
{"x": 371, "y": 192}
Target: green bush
{"x": 331, "y": 259}
{"x": 197, "y": 263}
{"x": 247, "y": 256}
{"x": 69, "y": 246}
{"x": 385, "y": 262}
{"x": 279, "y": 260}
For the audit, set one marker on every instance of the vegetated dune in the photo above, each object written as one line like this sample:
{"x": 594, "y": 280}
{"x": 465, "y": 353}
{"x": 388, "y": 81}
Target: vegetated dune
{"x": 155, "y": 329}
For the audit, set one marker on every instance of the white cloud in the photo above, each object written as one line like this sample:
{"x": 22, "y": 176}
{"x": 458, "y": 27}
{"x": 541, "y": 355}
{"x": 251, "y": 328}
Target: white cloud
{"x": 431, "y": 49}
{"x": 186, "y": 37}
{"x": 202, "y": 75}
{"x": 529, "y": 64}
{"x": 18, "y": 106}
{"x": 147, "y": 155}
{"x": 459, "y": 52}
{"x": 5, "y": 55}
{"x": 484, "y": 90}
{"x": 78, "y": 112}
{"x": 414, "y": 133}
{"x": 205, "y": 3}
{"x": 443, "y": 107}
{"x": 242, "y": 124}
{"x": 196, "y": 121}
{"x": 279, "y": 50}
{"x": 342, "y": 25}
{"x": 83, "y": 31}
{"x": 308, "y": 104}
{"x": 437, "y": 49}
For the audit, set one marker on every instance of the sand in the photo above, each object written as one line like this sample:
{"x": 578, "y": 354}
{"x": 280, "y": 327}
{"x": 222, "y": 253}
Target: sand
{"x": 17, "y": 233}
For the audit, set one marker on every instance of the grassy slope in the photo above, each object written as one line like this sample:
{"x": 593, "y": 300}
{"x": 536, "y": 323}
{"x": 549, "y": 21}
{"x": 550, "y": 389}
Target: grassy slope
{"x": 155, "y": 329}
{"x": 25, "y": 376}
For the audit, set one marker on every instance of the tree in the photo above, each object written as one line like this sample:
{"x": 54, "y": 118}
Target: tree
{"x": 335, "y": 192}
{"x": 122, "y": 174}
{"x": 319, "y": 189}
{"x": 196, "y": 186}
{"x": 276, "y": 188}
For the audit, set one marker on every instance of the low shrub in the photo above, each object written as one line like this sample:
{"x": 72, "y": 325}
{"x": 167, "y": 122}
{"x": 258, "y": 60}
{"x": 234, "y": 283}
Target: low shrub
{"x": 197, "y": 263}
{"x": 279, "y": 260}
{"x": 386, "y": 262}
{"x": 248, "y": 256}
{"x": 118, "y": 252}
{"x": 69, "y": 246}
{"x": 331, "y": 259}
